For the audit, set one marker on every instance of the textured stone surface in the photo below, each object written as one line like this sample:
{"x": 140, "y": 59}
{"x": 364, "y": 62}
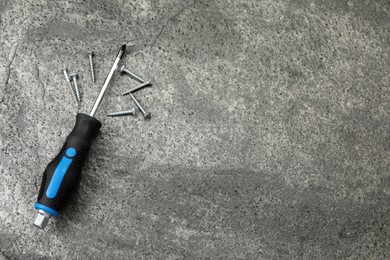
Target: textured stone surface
{"x": 269, "y": 137}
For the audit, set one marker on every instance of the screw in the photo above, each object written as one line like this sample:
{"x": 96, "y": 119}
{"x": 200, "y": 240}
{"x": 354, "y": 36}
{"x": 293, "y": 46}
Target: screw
{"x": 74, "y": 77}
{"x": 147, "y": 83}
{"x": 132, "y": 111}
{"x": 124, "y": 70}
{"x": 70, "y": 86}
{"x": 90, "y": 55}
{"x": 146, "y": 115}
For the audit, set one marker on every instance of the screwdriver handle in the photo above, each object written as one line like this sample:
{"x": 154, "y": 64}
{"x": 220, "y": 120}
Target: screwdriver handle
{"x": 63, "y": 173}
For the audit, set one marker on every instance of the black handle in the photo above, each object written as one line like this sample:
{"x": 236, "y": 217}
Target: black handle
{"x": 63, "y": 173}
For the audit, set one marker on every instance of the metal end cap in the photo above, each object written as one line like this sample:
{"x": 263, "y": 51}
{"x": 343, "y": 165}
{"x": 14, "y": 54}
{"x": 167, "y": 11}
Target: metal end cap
{"x": 42, "y": 219}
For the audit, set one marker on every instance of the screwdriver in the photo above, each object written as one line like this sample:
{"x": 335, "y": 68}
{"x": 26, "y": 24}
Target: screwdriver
{"x": 63, "y": 173}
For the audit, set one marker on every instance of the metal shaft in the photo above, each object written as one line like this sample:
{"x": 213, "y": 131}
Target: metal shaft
{"x": 147, "y": 83}
{"x": 107, "y": 81}
{"x": 70, "y": 86}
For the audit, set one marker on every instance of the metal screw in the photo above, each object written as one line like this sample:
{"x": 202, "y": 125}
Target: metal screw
{"x": 147, "y": 115}
{"x": 123, "y": 70}
{"x": 74, "y": 77}
{"x": 132, "y": 111}
{"x": 90, "y": 56}
{"x": 147, "y": 83}
{"x": 70, "y": 86}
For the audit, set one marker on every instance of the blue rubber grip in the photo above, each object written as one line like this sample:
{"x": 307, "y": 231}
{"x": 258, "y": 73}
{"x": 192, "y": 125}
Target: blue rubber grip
{"x": 60, "y": 172}
{"x": 63, "y": 173}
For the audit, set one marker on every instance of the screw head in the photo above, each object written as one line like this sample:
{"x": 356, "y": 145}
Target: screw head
{"x": 91, "y": 53}
{"x": 147, "y": 115}
{"x": 122, "y": 69}
{"x": 74, "y": 74}
{"x": 135, "y": 110}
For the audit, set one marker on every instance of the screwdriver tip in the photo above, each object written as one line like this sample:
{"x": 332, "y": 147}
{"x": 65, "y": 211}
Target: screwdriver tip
{"x": 122, "y": 51}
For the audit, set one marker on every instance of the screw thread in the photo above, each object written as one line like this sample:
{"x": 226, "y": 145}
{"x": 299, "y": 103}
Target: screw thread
{"x": 122, "y": 113}
{"x": 76, "y": 88}
{"x": 92, "y": 68}
{"x": 71, "y": 88}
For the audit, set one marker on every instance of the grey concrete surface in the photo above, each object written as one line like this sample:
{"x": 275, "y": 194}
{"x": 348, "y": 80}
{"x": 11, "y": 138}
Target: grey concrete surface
{"x": 269, "y": 137}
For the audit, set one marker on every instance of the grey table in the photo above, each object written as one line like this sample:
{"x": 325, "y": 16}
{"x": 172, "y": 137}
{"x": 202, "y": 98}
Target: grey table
{"x": 269, "y": 137}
